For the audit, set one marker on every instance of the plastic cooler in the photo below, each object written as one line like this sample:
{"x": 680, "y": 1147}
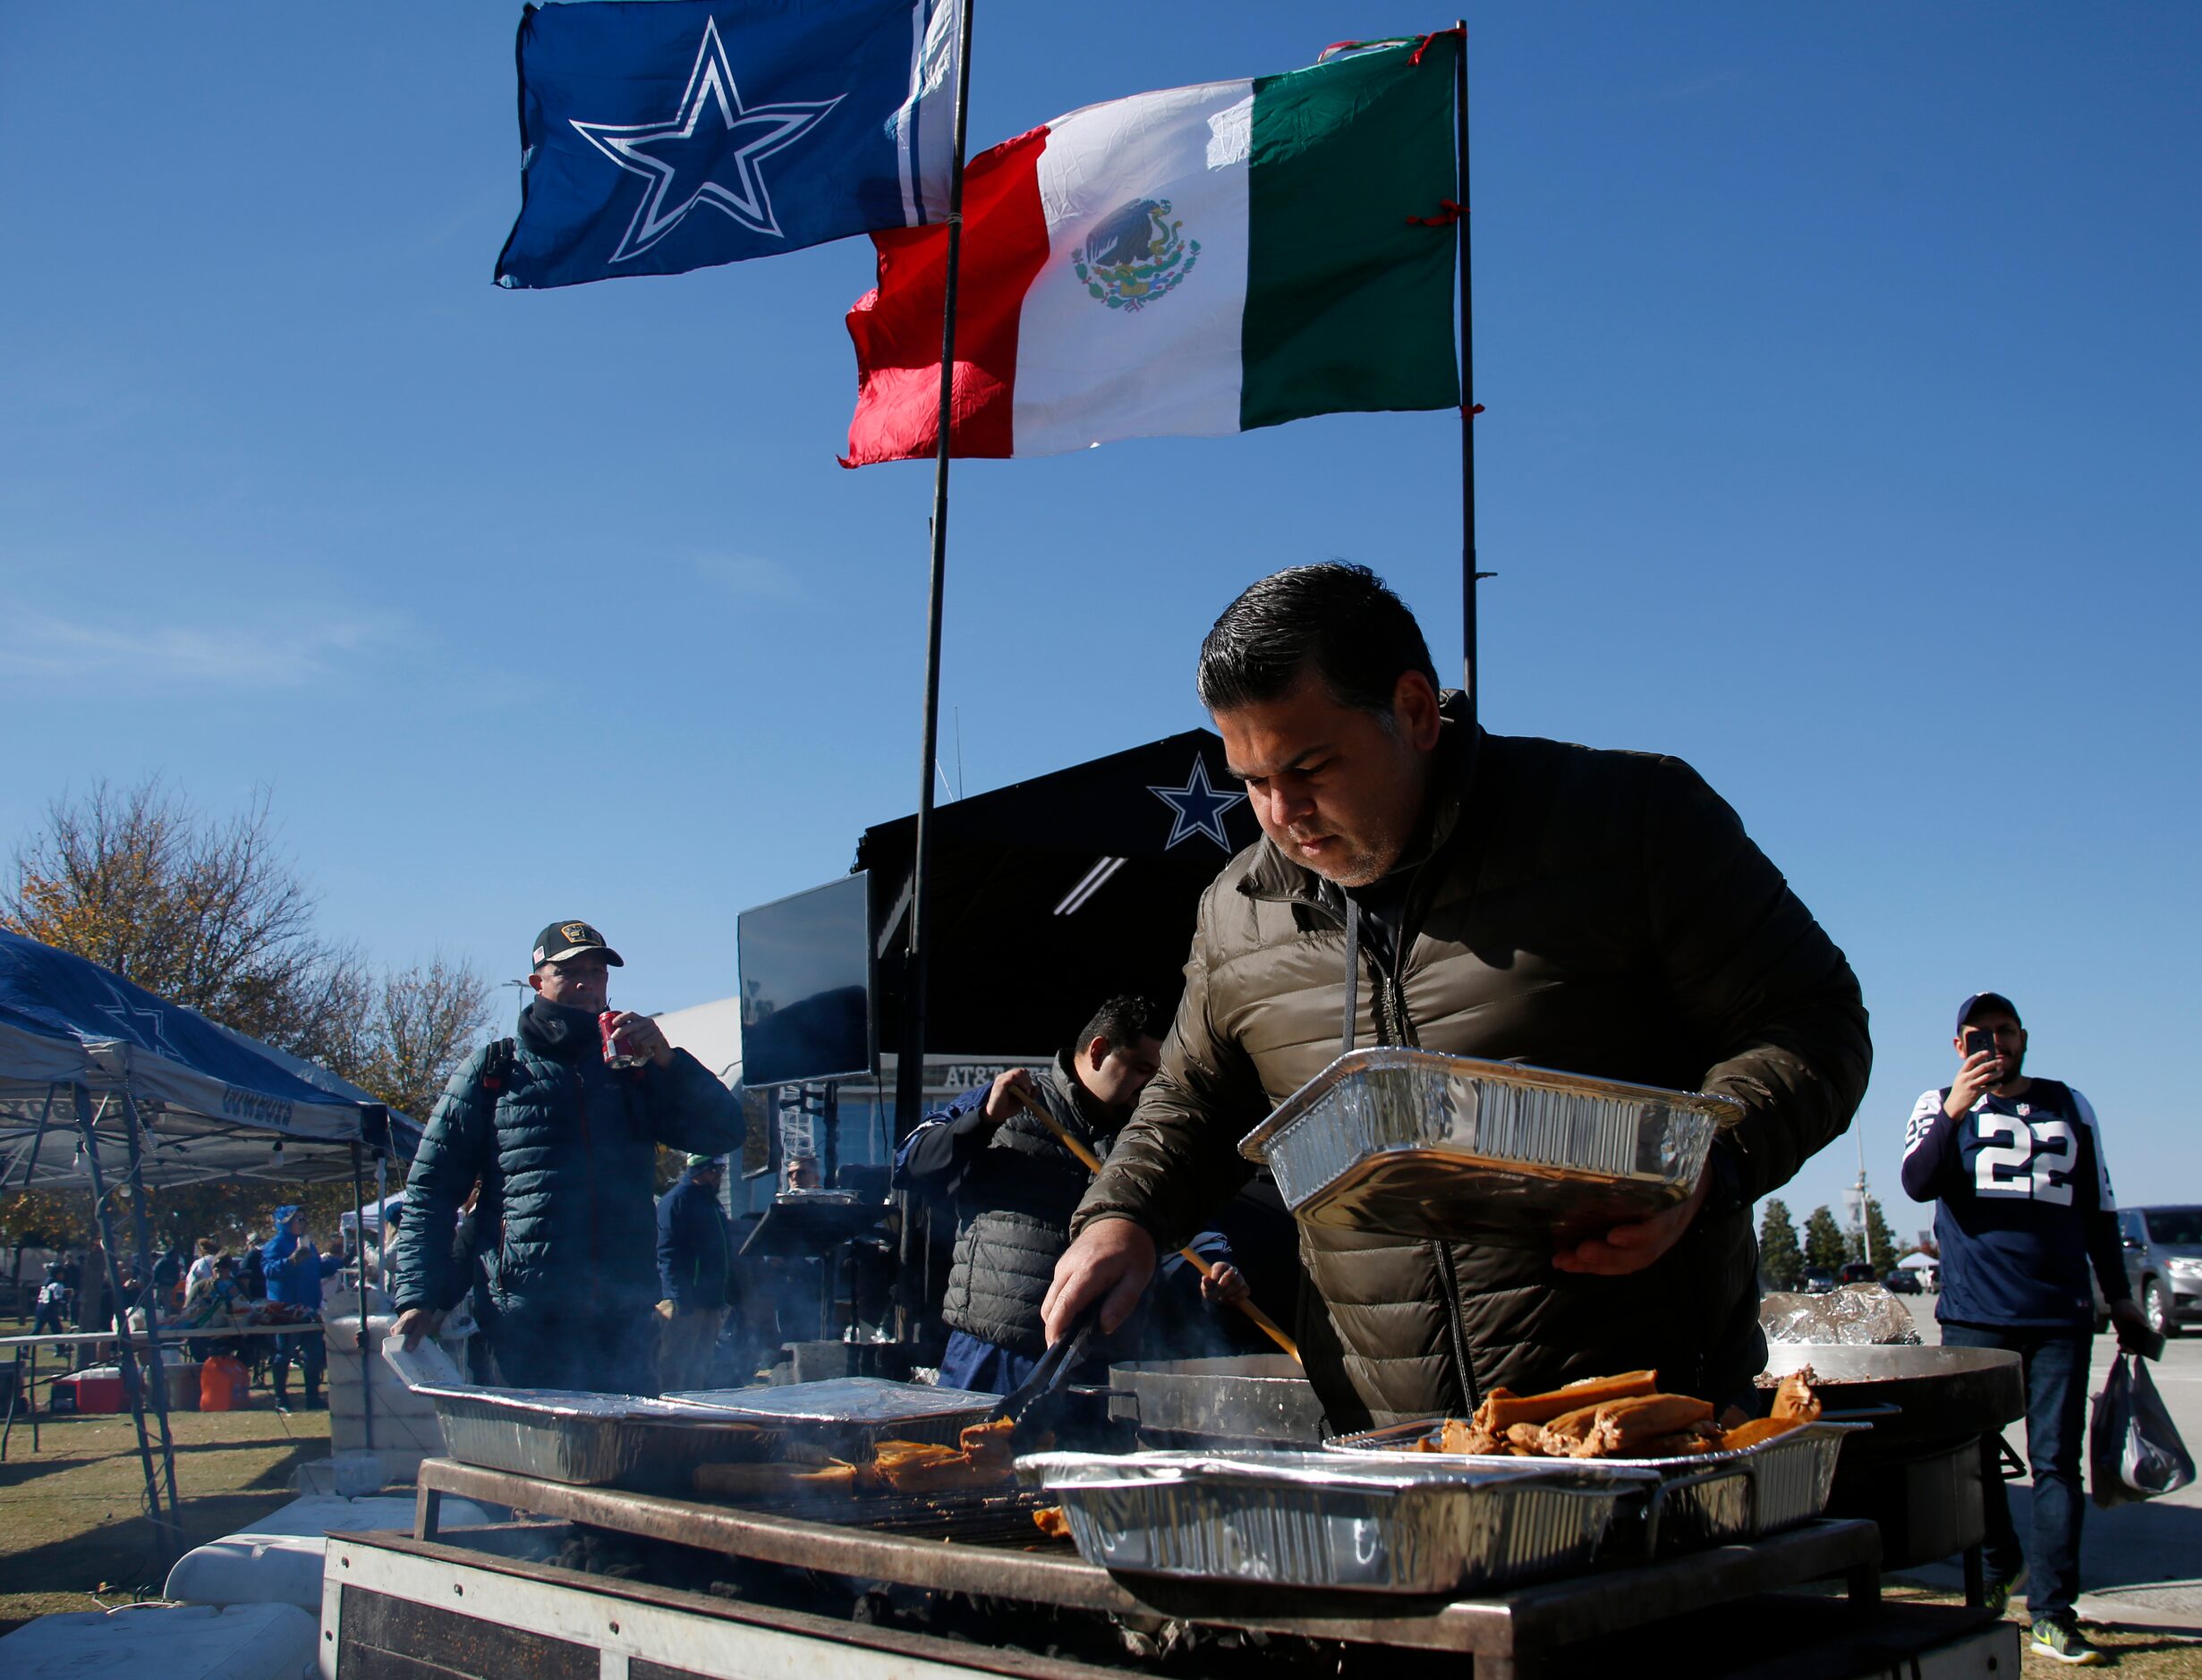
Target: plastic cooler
{"x": 99, "y": 1389}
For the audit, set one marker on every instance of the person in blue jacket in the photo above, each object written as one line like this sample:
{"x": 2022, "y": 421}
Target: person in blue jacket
{"x": 692, "y": 1255}
{"x": 294, "y": 1270}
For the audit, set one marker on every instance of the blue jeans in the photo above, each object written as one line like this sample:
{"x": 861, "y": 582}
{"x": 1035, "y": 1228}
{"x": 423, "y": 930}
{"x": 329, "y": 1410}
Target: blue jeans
{"x": 312, "y": 1353}
{"x": 982, "y": 1368}
{"x": 2055, "y": 1363}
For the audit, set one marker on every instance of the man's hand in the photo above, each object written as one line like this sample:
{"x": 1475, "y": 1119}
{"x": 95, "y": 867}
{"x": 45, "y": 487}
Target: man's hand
{"x": 1981, "y": 1071}
{"x": 2134, "y": 1334}
{"x": 1001, "y": 1096}
{"x": 1110, "y": 1262}
{"x": 666, "y": 1310}
{"x": 1630, "y": 1248}
{"x": 639, "y": 1035}
{"x": 1225, "y": 1286}
{"x": 414, "y": 1323}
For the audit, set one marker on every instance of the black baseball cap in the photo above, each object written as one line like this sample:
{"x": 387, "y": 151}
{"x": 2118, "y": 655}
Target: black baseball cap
{"x": 563, "y": 939}
{"x": 1979, "y": 1001}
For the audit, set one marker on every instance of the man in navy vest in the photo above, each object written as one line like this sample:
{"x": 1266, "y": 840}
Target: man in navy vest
{"x": 564, "y": 1146}
{"x": 2015, "y": 1167}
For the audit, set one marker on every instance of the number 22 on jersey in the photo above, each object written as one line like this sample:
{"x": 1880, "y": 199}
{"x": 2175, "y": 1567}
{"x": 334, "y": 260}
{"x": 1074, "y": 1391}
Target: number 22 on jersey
{"x": 2032, "y": 1160}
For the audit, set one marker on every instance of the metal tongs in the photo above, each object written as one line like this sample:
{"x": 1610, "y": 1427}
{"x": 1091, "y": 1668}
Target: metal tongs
{"x": 1033, "y": 1404}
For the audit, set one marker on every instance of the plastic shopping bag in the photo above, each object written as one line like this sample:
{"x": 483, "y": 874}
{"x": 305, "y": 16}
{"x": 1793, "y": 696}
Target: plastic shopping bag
{"x": 2135, "y": 1452}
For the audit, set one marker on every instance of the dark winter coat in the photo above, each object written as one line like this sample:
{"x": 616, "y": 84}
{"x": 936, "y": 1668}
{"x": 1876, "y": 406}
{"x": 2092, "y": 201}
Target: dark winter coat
{"x": 566, "y": 1151}
{"x": 1602, "y": 912}
{"x": 1014, "y": 1188}
{"x": 691, "y": 1245}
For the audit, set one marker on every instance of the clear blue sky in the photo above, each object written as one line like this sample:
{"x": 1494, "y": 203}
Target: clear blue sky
{"x": 1841, "y": 364}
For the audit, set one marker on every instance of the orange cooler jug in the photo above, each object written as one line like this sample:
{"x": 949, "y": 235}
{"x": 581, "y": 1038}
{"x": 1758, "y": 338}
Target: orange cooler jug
{"x": 223, "y": 1386}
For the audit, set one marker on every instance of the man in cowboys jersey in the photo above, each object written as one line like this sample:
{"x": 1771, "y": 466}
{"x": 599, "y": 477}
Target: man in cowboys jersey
{"x": 2014, "y": 1166}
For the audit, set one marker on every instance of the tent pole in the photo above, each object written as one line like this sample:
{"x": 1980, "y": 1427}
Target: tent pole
{"x": 382, "y": 1226}
{"x": 144, "y": 1230}
{"x": 910, "y": 1069}
{"x": 127, "y": 1365}
{"x": 31, "y": 1161}
{"x": 359, "y": 1234}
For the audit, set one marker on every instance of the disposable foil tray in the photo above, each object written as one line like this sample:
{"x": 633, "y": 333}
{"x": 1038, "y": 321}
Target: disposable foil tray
{"x": 594, "y": 1440}
{"x": 1702, "y": 1500}
{"x": 1313, "y": 1520}
{"x": 562, "y": 1435}
{"x": 1419, "y": 1144}
{"x": 844, "y": 1416}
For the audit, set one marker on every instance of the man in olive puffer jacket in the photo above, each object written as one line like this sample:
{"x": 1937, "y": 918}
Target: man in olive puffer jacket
{"x": 564, "y": 1147}
{"x": 1514, "y": 899}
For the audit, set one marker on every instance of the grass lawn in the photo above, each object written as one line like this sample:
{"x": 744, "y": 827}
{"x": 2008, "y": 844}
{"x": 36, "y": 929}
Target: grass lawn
{"x": 74, "y": 1530}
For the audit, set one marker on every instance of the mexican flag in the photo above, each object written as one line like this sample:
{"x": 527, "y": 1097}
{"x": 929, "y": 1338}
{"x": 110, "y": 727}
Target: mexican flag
{"x": 1198, "y": 261}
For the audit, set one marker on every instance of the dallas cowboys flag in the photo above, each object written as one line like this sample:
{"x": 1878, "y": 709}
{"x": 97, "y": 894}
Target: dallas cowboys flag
{"x": 659, "y": 136}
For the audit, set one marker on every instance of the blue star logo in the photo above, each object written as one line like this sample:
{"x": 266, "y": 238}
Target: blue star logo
{"x": 1197, "y": 808}
{"x": 716, "y": 166}
{"x": 123, "y": 1009}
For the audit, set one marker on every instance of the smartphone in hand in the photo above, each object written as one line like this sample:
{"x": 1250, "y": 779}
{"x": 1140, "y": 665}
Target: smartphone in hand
{"x": 1979, "y": 1039}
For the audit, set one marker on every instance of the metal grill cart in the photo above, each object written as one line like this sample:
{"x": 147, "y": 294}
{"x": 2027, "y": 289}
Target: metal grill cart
{"x": 728, "y": 1591}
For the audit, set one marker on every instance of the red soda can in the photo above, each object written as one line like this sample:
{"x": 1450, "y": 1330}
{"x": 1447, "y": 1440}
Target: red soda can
{"x": 615, "y": 1055}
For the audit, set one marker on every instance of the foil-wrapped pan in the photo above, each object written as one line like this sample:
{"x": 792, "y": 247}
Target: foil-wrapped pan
{"x": 1419, "y": 1144}
{"x": 844, "y": 1416}
{"x": 1702, "y": 1500}
{"x": 1314, "y": 1520}
{"x": 593, "y": 1439}
{"x": 566, "y": 1435}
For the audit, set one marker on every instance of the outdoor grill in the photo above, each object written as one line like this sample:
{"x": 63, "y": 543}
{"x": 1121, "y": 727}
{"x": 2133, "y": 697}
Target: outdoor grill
{"x": 1917, "y": 1473}
{"x": 986, "y": 1548}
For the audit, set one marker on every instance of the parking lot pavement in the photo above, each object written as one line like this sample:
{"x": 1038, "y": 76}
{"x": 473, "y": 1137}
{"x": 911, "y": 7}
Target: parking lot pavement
{"x": 2140, "y": 1565}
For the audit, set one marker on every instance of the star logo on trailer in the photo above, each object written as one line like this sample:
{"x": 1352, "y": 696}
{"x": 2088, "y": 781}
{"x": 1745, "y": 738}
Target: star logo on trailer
{"x": 1136, "y": 255}
{"x": 706, "y": 155}
{"x": 1197, "y": 808}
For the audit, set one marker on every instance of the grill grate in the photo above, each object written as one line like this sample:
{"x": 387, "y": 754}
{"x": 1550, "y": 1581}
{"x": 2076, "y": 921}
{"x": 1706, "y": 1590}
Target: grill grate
{"x": 998, "y": 1518}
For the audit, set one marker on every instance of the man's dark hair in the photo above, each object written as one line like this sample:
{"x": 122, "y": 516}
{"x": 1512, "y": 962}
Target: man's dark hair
{"x": 1124, "y": 1021}
{"x": 1339, "y": 619}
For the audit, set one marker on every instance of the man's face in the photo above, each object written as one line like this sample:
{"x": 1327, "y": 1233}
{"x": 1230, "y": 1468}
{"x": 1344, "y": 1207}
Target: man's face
{"x": 1115, "y": 1078}
{"x": 2009, "y": 1040}
{"x": 1334, "y": 788}
{"x": 579, "y": 982}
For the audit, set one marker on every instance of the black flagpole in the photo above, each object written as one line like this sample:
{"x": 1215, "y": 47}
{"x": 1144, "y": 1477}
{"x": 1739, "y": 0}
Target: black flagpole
{"x": 910, "y": 1062}
{"x": 1468, "y": 573}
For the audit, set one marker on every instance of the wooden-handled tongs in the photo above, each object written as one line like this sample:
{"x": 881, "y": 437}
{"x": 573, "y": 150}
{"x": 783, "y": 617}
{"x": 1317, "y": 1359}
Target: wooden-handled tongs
{"x": 1092, "y": 1165}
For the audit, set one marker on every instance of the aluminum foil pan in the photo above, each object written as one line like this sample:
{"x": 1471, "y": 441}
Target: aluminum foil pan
{"x": 593, "y": 1439}
{"x": 1704, "y": 1499}
{"x": 1418, "y": 1144}
{"x": 1313, "y": 1520}
{"x": 844, "y": 1416}
{"x": 1258, "y": 1400}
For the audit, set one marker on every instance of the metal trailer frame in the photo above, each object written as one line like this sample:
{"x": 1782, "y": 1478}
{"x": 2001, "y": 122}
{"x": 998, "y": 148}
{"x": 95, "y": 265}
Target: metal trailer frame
{"x": 1509, "y": 1634}
{"x": 398, "y": 1606}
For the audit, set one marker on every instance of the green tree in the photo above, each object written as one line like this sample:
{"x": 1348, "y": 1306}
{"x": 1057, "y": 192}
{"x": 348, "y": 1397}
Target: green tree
{"x": 1880, "y": 1241}
{"x": 207, "y": 913}
{"x": 204, "y": 913}
{"x": 210, "y": 915}
{"x": 1824, "y": 1246}
{"x": 1779, "y": 1257}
